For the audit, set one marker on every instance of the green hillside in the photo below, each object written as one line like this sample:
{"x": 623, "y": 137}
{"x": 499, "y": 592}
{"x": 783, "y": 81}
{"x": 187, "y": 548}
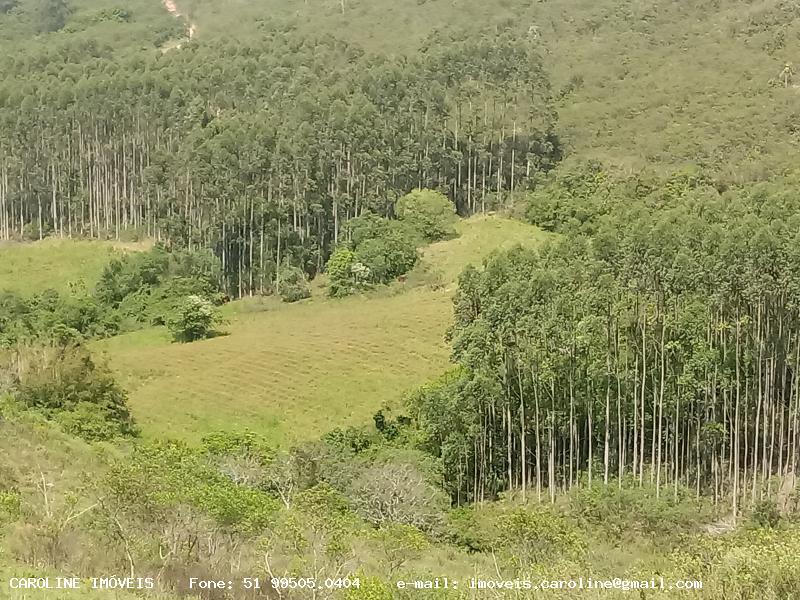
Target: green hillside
{"x": 639, "y": 83}
{"x": 50, "y": 26}
{"x": 293, "y": 384}
{"x": 294, "y": 372}
{"x": 56, "y": 264}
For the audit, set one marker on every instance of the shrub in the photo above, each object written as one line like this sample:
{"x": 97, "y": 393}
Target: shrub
{"x": 388, "y": 256}
{"x": 399, "y": 543}
{"x": 340, "y": 271}
{"x": 159, "y": 479}
{"x": 238, "y": 443}
{"x": 129, "y": 273}
{"x": 379, "y": 251}
{"x": 85, "y": 421}
{"x": 531, "y": 535}
{"x": 429, "y": 212}
{"x": 10, "y": 506}
{"x": 366, "y": 227}
{"x": 765, "y": 514}
{"x": 49, "y": 315}
{"x": 193, "y": 319}
{"x": 293, "y": 284}
{"x": 118, "y": 15}
{"x": 637, "y": 509}
{"x": 199, "y": 265}
{"x": 69, "y": 387}
{"x": 352, "y": 439}
{"x": 146, "y": 286}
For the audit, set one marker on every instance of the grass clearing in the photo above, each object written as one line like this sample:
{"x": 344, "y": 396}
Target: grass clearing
{"x": 477, "y": 238}
{"x": 27, "y": 268}
{"x": 294, "y": 372}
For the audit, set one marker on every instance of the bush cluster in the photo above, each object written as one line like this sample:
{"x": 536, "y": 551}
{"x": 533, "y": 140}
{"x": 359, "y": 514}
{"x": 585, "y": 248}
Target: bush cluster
{"x": 66, "y": 385}
{"x": 134, "y": 290}
{"x": 378, "y": 250}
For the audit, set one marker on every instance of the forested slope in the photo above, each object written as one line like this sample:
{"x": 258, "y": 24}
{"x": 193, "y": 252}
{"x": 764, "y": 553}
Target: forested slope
{"x": 30, "y": 26}
{"x": 262, "y": 150}
{"x": 319, "y": 370}
{"x": 261, "y": 145}
{"x": 637, "y": 83}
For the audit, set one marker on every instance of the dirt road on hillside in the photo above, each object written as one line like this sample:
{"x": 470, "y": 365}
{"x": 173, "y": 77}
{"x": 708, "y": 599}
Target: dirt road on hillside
{"x": 173, "y": 10}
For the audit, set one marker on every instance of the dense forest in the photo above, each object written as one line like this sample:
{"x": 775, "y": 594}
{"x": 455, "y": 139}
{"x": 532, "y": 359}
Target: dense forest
{"x": 262, "y": 153}
{"x": 656, "y": 340}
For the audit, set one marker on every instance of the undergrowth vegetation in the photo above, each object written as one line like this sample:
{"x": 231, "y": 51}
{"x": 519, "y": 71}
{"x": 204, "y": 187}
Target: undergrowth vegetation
{"x": 354, "y": 504}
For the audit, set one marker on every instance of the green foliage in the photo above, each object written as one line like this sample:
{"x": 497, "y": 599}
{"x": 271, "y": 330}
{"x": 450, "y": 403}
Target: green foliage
{"x": 679, "y": 270}
{"x": 570, "y": 199}
{"x": 428, "y": 212}
{"x": 85, "y": 420}
{"x": 465, "y": 528}
{"x": 278, "y": 349}
{"x": 244, "y": 443}
{"x": 160, "y": 477}
{"x": 208, "y": 153}
{"x": 193, "y": 319}
{"x": 681, "y": 285}
{"x": 389, "y": 256}
{"x": 66, "y": 385}
{"x": 50, "y": 315}
{"x": 51, "y": 15}
{"x": 444, "y": 410}
{"x": 633, "y": 510}
{"x": 353, "y": 439}
{"x": 368, "y": 226}
{"x": 10, "y": 506}
{"x": 117, "y": 15}
{"x": 743, "y": 564}
{"x": 399, "y": 543}
{"x": 343, "y": 273}
{"x": 765, "y": 514}
{"x": 293, "y": 284}
{"x": 379, "y": 251}
{"x": 371, "y": 588}
{"x": 535, "y": 535}
{"x": 130, "y": 273}
{"x": 316, "y": 533}
{"x": 147, "y": 286}
{"x": 153, "y": 305}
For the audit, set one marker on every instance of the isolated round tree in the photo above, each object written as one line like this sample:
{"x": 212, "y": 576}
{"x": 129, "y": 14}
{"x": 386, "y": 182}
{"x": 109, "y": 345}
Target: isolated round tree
{"x": 429, "y": 212}
{"x": 193, "y": 319}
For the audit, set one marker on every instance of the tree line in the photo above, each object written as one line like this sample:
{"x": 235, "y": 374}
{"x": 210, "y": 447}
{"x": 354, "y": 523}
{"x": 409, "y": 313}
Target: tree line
{"x": 262, "y": 152}
{"x": 655, "y": 342}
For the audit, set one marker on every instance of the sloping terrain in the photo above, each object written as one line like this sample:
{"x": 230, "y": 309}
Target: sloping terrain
{"x": 638, "y": 83}
{"x": 28, "y": 268}
{"x": 296, "y": 371}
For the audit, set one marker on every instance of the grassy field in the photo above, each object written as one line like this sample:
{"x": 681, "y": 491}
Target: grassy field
{"x": 296, "y": 371}
{"x": 33, "y": 267}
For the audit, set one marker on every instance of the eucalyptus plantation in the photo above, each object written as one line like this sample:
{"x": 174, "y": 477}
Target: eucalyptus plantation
{"x": 262, "y": 152}
{"x": 662, "y": 349}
